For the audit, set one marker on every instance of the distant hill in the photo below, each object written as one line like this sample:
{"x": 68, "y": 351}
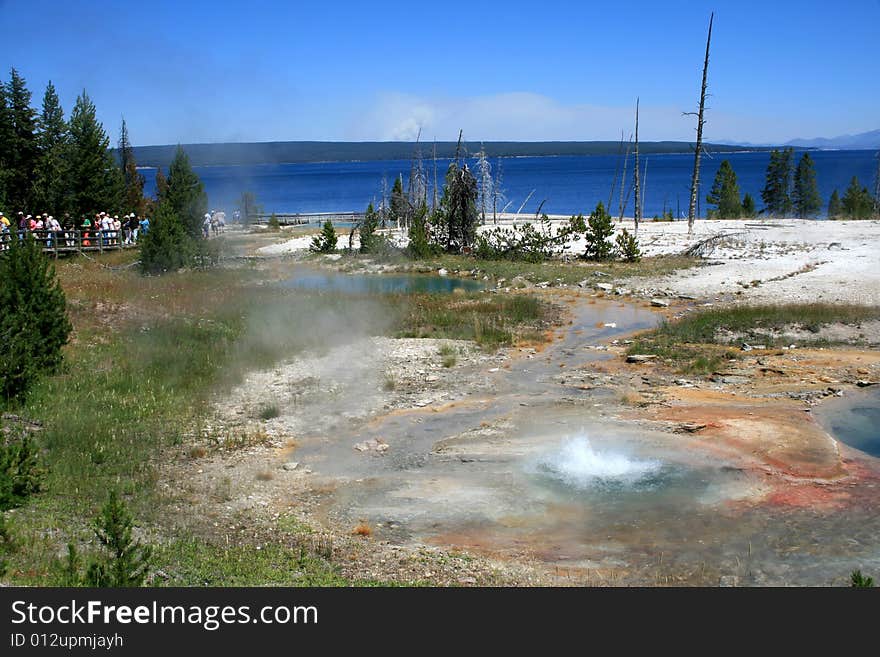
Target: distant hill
{"x": 864, "y": 140}
{"x": 340, "y": 151}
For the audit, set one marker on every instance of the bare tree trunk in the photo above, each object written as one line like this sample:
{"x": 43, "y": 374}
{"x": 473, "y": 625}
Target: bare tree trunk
{"x": 637, "y": 212}
{"x": 623, "y": 200}
{"x": 695, "y": 178}
{"x": 434, "y": 199}
{"x": 642, "y": 204}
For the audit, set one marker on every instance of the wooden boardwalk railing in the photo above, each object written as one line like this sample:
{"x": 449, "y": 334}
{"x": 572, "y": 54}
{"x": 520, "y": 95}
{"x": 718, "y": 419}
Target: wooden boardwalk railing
{"x": 70, "y": 241}
{"x": 306, "y": 218}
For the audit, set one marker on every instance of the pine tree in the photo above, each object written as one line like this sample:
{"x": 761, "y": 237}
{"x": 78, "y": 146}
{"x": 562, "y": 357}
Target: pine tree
{"x": 399, "y": 207}
{"x": 7, "y": 137}
{"x": 627, "y": 246}
{"x": 186, "y": 194}
{"x": 459, "y": 207}
{"x": 748, "y": 207}
{"x": 23, "y": 149}
{"x": 96, "y": 182}
{"x": 598, "y": 235}
{"x": 805, "y": 195}
{"x": 777, "y": 189}
{"x": 51, "y": 184}
{"x": 370, "y": 240}
{"x": 161, "y": 185}
{"x": 33, "y": 325}
{"x": 420, "y": 245}
{"x": 835, "y": 207}
{"x": 133, "y": 197}
{"x": 126, "y": 562}
{"x": 167, "y": 246}
{"x": 857, "y": 201}
{"x": 725, "y": 193}
{"x": 326, "y": 241}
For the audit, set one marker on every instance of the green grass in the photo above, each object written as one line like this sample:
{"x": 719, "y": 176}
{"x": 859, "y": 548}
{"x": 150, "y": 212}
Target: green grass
{"x": 269, "y": 412}
{"x": 691, "y": 343}
{"x": 491, "y": 321}
{"x": 195, "y": 562}
{"x": 570, "y": 273}
{"x": 448, "y": 355}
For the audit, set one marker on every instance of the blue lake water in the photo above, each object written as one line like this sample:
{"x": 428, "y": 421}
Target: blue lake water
{"x": 568, "y": 185}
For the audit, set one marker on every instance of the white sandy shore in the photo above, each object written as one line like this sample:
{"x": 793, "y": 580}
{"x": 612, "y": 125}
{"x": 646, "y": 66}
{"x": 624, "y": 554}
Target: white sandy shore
{"x": 769, "y": 261}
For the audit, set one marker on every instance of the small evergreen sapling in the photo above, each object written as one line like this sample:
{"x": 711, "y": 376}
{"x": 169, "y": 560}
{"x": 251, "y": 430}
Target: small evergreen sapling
{"x": 33, "y": 322}
{"x": 325, "y": 241}
{"x": 598, "y": 235}
{"x": 628, "y": 246}
{"x": 124, "y": 561}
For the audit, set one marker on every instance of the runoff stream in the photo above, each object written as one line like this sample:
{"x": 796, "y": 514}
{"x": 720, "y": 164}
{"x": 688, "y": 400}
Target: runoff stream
{"x": 541, "y": 471}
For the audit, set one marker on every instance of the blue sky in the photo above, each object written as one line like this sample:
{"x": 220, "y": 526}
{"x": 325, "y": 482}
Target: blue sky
{"x": 261, "y": 71}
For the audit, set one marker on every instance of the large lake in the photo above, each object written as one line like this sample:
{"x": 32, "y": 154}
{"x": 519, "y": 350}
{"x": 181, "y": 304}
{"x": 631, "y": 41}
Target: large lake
{"x": 569, "y": 184}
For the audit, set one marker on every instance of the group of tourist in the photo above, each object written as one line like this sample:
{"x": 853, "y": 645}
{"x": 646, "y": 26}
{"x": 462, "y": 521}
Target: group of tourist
{"x": 103, "y": 230}
{"x": 214, "y": 222}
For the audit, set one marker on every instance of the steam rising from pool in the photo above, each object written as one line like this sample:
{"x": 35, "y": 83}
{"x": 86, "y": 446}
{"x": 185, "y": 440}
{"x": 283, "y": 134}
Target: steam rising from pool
{"x": 578, "y": 464}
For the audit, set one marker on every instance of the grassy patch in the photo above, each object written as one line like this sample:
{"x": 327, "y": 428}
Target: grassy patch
{"x": 194, "y": 562}
{"x": 269, "y": 412}
{"x": 489, "y": 320}
{"x": 692, "y": 344}
{"x": 565, "y": 272}
{"x": 448, "y": 355}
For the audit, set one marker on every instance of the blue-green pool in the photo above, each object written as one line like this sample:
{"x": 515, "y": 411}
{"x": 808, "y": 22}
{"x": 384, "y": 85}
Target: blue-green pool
{"x": 379, "y": 283}
{"x": 855, "y": 420}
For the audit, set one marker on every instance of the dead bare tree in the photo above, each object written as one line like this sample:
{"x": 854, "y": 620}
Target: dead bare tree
{"x": 624, "y": 199}
{"x": 524, "y": 204}
{"x": 484, "y": 189}
{"x": 616, "y": 171}
{"x": 434, "y": 200}
{"x": 642, "y": 202}
{"x": 637, "y": 212}
{"x": 695, "y": 178}
{"x": 497, "y": 191}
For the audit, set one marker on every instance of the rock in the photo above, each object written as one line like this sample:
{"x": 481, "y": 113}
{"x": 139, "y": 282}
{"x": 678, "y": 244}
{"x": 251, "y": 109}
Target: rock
{"x": 543, "y": 284}
{"x": 622, "y": 291}
{"x": 605, "y": 287}
{"x": 690, "y": 427}
{"x": 659, "y": 303}
{"x": 442, "y": 272}
{"x": 432, "y": 378}
{"x": 640, "y": 358}
{"x": 601, "y": 273}
{"x": 292, "y": 465}
{"x": 861, "y": 383}
{"x": 493, "y": 369}
{"x": 687, "y": 297}
{"x": 372, "y": 445}
{"x": 584, "y": 283}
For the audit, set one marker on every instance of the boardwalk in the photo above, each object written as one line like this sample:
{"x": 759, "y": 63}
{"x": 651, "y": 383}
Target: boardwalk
{"x": 73, "y": 241}
{"x": 306, "y": 218}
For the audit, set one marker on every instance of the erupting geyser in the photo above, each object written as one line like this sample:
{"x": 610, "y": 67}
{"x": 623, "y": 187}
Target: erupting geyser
{"x": 578, "y": 464}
